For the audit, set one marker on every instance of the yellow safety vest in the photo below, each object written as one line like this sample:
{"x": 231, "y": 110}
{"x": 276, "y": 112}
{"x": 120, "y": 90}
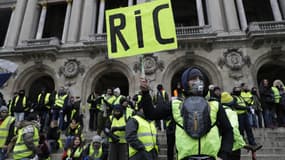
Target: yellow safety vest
{"x": 276, "y": 93}
{"x": 146, "y": 134}
{"x": 59, "y": 100}
{"x": 129, "y": 112}
{"x": 4, "y": 129}
{"x": 188, "y": 146}
{"x": 77, "y": 153}
{"x": 137, "y": 102}
{"x": 241, "y": 103}
{"x": 96, "y": 155}
{"x": 20, "y": 149}
{"x": 247, "y": 96}
{"x": 46, "y": 101}
{"x": 233, "y": 118}
{"x": 119, "y": 123}
{"x": 117, "y": 100}
{"x": 24, "y": 102}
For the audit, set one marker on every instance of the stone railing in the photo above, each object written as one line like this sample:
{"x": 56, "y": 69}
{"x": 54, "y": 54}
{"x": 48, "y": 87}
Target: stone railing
{"x": 266, "y": 27}
{"x": 187, "y": 32}
{"x": 193, "y": 30}
{"x": 53, "y": 41}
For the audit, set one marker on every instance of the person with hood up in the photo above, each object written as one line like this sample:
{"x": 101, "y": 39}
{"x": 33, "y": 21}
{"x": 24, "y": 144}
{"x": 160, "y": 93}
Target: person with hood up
{"x": 115, "y": 130}
{"x": 27, "y": 139}
{"x": 96, "y": 150}
{"x": 216, "y": 142}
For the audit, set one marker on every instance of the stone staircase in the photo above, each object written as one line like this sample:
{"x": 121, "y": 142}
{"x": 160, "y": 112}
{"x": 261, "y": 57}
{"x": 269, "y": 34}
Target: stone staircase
{"x": 273, "y": 142}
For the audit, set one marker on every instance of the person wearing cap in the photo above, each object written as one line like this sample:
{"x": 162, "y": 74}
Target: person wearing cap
{"x": 228, "y": 103}
{"x": 115, "y": 130}
{"x": 96, "y": 150}
{"x": 7, "y": 125}
{"x": 141, "y": 135}
{"x": 216, "y": 144}
{"x": 27, "y": 139}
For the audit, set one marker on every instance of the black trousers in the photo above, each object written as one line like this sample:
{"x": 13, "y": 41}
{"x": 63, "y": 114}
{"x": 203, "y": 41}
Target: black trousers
{"x": 170, "y": 145}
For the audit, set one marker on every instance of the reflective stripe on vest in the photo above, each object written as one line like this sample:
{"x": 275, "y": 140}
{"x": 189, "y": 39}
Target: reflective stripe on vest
{"x": 247, "y": 96}
{"x": 23, "y": 102}
{"x": 129, "y": 112}
{"x": 187, "y": 146}
{"x": 119, "y": 123}
{"x": 95, "y": 155}
{"x": 4, "y": 129}
{"x": 117, "y": 101}
{"x": 241, "y": 103}
{"x": 59, "y": 100}
{"x": 76, "y": 154}
{"x": 233, "y": 118}
{"x": 20, "y": 149}
{"x": 146, "y": 134}
{"x": 46, "y": 99}
{"x": 276, "y": 93}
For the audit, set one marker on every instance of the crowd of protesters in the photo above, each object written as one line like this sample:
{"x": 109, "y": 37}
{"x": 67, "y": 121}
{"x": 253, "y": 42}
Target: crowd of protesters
{"x": 59, "y": 113}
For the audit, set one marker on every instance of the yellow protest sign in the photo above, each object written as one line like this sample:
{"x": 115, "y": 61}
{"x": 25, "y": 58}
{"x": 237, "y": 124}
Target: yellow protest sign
{"x": 143, "y": 28}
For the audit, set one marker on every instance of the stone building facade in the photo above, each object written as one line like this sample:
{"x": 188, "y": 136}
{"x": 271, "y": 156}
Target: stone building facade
{"x": 63, "y": 43}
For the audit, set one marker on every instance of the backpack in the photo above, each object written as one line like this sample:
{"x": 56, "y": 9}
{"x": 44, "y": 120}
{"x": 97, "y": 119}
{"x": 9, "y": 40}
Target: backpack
{"x": 195, "y": 112}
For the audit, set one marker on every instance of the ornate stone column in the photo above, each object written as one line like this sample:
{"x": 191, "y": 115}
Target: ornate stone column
{"x": 16, "y": 23}
{"x": 101, "y": 16}
{"x": 241, "y": 13}
{"x": 276, "y": 10}
{"x": 29, "y": 26}
{"x": 215, "y": 15}
{"x": 10, "y": 26}
{"x": 88, "y": 19}
{"x": 42, "y": 20}
{"x": 75, "y": 21}
{"x": 282, "y": 6}
{"x": 200, "y": 12}
{"x": 66, "y": 21}
{"x": 231, "y": 16}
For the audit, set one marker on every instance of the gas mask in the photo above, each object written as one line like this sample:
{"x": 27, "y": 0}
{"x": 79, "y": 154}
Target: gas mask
{"x": 197, "y": 88}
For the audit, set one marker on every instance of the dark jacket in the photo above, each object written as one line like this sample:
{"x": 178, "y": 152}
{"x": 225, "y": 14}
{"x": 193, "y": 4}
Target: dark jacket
{"x": 164, "y": 110}
{"x": 53, "y": 133}
{"x": 132, "y": 140}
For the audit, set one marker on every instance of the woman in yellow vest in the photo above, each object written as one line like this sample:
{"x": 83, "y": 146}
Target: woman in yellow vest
{"x": 75, "y": 150}
{"x": 216, "y": 143}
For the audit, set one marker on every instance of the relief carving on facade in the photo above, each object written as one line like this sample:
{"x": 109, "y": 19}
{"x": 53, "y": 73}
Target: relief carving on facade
{"x": 151, "y": 64}
{"x": 71, "y": 68}
{"x": 234, "y": 60}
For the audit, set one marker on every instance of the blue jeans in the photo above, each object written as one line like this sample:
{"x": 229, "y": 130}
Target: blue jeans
{"x": 55, "y": 115}
{"x": 2, "y": 154}
{"x": 268, "y": 116}
{"x": 244, "y": 125}
{"x": 68, "y": 141}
